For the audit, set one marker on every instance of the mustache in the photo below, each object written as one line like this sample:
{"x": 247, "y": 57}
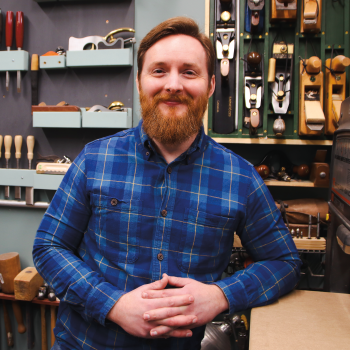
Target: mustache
{"x": 163, "y": 97}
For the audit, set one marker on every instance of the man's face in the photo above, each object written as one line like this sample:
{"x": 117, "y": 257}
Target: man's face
{"x": 174, "y": 88}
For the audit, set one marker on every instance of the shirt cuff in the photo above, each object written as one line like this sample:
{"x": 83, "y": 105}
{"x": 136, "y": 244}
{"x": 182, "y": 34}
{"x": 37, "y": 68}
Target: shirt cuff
{"x": 101, "y": 300}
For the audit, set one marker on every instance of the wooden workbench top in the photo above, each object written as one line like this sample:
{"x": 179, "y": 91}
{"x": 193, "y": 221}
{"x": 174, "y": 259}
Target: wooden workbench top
{"x": 302, "y": 320}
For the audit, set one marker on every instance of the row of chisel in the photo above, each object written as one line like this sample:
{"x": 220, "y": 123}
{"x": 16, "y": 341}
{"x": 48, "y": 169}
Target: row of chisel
{"x": 18, "y": 154}
{"x": 299, "y": 233}
{"x": 9, "y": 40}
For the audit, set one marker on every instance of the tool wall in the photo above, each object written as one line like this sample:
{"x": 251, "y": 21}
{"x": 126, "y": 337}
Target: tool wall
{"x": 280, "y": 93}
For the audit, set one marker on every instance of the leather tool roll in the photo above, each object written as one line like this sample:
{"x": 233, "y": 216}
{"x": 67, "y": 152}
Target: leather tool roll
{"x": 298, "y": 210}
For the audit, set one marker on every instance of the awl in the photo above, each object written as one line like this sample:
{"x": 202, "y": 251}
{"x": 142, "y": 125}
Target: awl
{"x": 18, "y": 154}
{"x": 8, "y": 144}
{"x": 9, "y": 37}
{"x": 19, "y": 42}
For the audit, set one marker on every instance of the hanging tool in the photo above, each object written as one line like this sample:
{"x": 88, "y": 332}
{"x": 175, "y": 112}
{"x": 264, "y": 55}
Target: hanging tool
{"x": 225, "y": 67}
{"x": 8, "y": 327}
{"x": 19, "y": 42}
{"x": 254, "y": 16}
{"x": 18, "y": 154}
{"x": 43, "y": 328}
{"x": 114, "y": 106}
{"x": 34, "y": 79}
{"x": 53, "y": 323}
{"x": 9, "y": 37}
{"x": 1, "y": 138}
{"x": 311, "y": 13}
{"x": 283, "y": 10}
{"x": 92, "y": 42}
{"x": 0, "y": 27}
{"x": 8, "y": 144}
{"x": 30, "y": 155}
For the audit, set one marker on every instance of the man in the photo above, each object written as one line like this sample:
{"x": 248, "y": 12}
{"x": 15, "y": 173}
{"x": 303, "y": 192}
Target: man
{"x": 140, "y": 230}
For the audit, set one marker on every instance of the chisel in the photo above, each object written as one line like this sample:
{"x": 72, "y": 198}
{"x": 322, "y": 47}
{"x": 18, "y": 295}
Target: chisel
{"x": 30, "y": 155}
{"x": 19, "y": 42}
{"x": 8, "y": 144}
{"x": 18, "y": 154}
{"x": 34, "y": 79}
{"x": 9, "y": 37}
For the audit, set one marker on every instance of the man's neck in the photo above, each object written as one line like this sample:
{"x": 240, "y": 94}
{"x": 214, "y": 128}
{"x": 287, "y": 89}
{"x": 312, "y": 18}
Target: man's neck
{"x": 171, "y": 152}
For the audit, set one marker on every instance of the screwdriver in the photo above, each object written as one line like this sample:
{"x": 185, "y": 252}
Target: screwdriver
{"x": 19, "y": 42}
{"x": 9, "y": 36}
{"x": 18, "y": 154}
{"x": 8, "y": 144}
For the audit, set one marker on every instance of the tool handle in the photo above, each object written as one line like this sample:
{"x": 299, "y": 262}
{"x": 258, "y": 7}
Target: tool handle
{"x": 43, "y": 328}
{"x": 30, "y": 146}
{"x": 35, "y": 62}
{"x": 18, "y": 146}
{"x": 9, "y": 28}
{"x": 8, "y": 327}
{"x": 30, "y": 326}
{"x": 19, "y": 29}
{"x": 0, "y": 26}
{"x": 8, "y": 144}
{"x": 19, "y": 318}
{"x": 1, "y": 138}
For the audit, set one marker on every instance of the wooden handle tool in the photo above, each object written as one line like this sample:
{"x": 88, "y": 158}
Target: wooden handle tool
{"x": 30, "y": 147}
{"x": 34, "y": 79}
{"x": 30, "y": 326}
{"x": 1, "y": 138}
{"x": 8, "y": 144}
{"x": 53, "y": 323}
{"x": 19, "y": 42}
{"x": 18, "y": 154}
{"x": 10, "y": 267}
{"x": 19, "y": 318}
{"x": 8, "y": 327}
{"x": 9, "y": 37}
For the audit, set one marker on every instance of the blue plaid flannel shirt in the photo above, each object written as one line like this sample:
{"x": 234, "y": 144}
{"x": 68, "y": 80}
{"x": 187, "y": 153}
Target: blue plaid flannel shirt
{"x": 120, "y": 205}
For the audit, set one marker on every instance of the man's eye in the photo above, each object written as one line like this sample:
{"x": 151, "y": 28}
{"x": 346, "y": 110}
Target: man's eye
{"x": 190, "y": 73}
{"x": 158, "y": 71}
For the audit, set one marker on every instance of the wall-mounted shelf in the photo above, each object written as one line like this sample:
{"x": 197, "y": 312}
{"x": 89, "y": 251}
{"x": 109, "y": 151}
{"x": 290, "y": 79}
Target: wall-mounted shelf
{"x": 29, "y": 178}
{"x": 292, "y": 183}
{"x": 56, "y": 119}
{"x": 100, "y": 58}
{"x": 120, "y": 119}
{"x": 52, "y": 62}
{"x": 15, "y": 60}
{"x": 267, "y": 141}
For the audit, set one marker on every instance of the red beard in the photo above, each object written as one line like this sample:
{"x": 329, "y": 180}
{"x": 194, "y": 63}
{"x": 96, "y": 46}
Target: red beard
{"x": 172, "y": 128}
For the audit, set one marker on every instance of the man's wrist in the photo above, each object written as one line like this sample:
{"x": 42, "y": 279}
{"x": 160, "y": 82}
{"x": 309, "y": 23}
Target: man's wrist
{"x": 221, "y": 298}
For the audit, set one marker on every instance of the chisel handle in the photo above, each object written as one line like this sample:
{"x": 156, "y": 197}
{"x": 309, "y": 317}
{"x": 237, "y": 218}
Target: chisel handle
{"x": 8, "y": 327}
{"x": 9, "y": 28}
{"x": 18, "y": 146}
{"x": 19, "y": 318}
{"x": 30, "y": 147}
{"x": 53, "y": 323}
{"x": 19, "y": 29}
{"x": 8, "y": 144}
{"x": 1, "y": 138}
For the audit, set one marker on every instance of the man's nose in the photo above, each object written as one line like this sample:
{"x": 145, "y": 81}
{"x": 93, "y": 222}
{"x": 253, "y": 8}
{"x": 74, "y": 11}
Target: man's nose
{"x": 173, "y": 84}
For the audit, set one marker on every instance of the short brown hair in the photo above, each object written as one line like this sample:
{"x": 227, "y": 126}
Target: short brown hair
{"x": 174, "y": 26}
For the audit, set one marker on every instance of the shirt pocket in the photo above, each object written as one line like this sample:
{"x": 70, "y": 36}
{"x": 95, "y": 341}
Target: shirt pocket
{"x": 116, "y": 223}
{"x": 206, "y": 242}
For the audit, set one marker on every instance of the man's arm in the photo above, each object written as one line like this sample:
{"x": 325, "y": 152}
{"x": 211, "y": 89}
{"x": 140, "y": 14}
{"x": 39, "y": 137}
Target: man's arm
{"x": 275, "y": 270}
{"x": 56, "y": 257}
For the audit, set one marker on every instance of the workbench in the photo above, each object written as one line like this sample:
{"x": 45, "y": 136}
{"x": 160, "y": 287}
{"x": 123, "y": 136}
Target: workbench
{"x": 302, "y": 320}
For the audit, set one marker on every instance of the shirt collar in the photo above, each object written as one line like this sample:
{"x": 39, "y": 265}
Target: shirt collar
{"x": 197, "y": 147}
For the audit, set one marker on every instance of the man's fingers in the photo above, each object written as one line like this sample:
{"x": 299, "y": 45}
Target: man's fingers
{"x": 164, "y": 332}
{"x": 160, "y": 284}
{"x": 178, "y": 281}
{"x": 180, "y": 300}
{"x": 179, "y": 321}
{"x": 163, "y": 313}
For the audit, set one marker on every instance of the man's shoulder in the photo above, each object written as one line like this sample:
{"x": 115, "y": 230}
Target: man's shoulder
{"x": 222, "y": 155}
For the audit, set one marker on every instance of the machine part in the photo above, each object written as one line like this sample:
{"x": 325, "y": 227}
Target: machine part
{"x": 92, "y": 42}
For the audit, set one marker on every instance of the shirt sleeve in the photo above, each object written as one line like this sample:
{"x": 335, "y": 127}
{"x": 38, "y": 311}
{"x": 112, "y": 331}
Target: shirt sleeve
{"x": 276, "y": 267}
{"x": 56, "y": 244}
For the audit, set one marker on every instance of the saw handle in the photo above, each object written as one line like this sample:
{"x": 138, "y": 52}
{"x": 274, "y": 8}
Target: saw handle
{"x": 19, "y": 29}
{"x": 9, "y": 28}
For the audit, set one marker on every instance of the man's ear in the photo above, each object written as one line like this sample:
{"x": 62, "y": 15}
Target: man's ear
{"x": 212, "y": 85}
{"x": 137, "y": 81}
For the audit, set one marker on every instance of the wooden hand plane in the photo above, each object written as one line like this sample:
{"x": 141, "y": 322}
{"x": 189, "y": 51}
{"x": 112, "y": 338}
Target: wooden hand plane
{"x": 311, "y": 11}
{"x": 283, "y": 10}
{"x": 311, "y": 117}
{"x": 254, "y": 16}
{"x": 335, "y": 90}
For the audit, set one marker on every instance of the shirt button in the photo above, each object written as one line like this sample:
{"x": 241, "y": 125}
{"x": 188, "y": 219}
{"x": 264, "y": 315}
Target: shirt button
{"x": 147, "y": 154}
{"x": 114, "y": 201}
{"x": 160, "y": 256}
{"x": 164, "y": 213}
{"x": 169, "y": 170}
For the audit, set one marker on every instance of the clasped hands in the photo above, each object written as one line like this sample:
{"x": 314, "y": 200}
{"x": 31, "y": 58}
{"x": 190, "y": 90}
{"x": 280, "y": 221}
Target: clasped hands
{"x": 151, "y": 311}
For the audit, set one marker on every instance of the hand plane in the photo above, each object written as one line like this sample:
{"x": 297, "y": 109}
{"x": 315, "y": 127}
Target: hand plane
{"x": 254, "y": 16}
{"x": 311, "y": 13}
{"x": 283, "y": 10}
{"x": 225, "y": 66}
{"x": 92, "y": 42}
